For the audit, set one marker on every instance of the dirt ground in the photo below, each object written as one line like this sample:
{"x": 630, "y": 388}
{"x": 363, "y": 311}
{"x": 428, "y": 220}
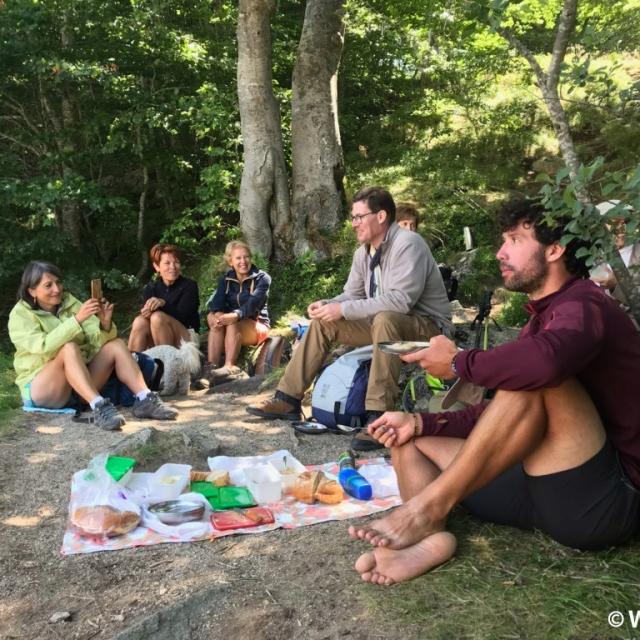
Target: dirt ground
{"x": 297, "y": 583}
{"x": 282, "y": 584}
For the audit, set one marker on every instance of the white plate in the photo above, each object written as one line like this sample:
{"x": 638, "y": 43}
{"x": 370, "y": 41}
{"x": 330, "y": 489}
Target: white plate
{"x": 401, "y": 348}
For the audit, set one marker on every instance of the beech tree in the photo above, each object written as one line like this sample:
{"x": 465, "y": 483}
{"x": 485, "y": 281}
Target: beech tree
{"x": 268, "y": 222}
{"x": 265, "y": 215}
{"x": 318, "y": 165}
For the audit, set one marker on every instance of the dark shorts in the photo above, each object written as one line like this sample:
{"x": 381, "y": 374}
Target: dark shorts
{"x": 592, "y": 506}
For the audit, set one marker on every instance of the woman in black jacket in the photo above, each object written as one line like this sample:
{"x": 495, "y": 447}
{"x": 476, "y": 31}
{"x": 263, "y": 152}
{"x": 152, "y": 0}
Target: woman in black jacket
{"x": 170, "y": 306}
{"x": 238, "y": 313}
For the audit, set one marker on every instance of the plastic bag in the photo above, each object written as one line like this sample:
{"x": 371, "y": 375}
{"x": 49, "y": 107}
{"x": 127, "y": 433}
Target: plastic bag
{"x": 100, "y": 507}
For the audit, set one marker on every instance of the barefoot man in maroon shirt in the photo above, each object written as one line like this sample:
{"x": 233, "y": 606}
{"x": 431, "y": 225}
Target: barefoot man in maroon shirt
{"x": 557, "y": 448}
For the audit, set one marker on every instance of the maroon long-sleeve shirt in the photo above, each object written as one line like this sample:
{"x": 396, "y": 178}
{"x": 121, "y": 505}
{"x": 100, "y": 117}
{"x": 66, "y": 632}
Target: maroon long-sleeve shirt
{"x": 580, "y": 332}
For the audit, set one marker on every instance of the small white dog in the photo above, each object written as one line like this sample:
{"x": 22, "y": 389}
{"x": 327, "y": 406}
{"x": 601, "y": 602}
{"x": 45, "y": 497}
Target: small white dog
{"x": 179, "y": 365}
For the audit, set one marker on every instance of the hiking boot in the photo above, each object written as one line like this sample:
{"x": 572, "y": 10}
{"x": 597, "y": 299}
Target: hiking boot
{"x": 280, "y": 407}
{"x": 153, "y": 407}
{"x": 106, "y": 416}
{"x": 362, "y": 441}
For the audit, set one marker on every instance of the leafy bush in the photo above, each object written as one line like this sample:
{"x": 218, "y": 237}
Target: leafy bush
{"x": 483, "y": 273}
{"x": 513, "y": 313}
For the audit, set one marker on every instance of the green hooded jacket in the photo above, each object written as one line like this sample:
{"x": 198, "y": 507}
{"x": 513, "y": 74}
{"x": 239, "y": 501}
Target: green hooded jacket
{"x": 38, "y": 335}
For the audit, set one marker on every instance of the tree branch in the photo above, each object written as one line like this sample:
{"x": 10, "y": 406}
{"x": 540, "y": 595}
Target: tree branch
{"x": 525, "y": 53}
{"x": 566, "y": 26}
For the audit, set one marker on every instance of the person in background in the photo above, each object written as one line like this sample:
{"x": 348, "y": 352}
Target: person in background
{"x": 64, "y": 345}
{"x": 170, "y": 306}
{"x": 238, "y": 314}
{"x": 407, "y": 216}
{"x": 603, "y": 275}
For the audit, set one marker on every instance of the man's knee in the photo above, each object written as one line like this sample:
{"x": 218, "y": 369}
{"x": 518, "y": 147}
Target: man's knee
{"x": 387, "y": 323}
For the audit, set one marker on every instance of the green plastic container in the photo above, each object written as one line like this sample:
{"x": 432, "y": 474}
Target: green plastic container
{"x": 221, "y": 498}
{"x": 118, "y": 467}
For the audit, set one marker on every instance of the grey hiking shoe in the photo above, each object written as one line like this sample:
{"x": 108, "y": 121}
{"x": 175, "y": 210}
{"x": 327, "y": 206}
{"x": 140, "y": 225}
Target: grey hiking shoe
{"x": 106, "y": 416}
{"x": 153, "y": 407}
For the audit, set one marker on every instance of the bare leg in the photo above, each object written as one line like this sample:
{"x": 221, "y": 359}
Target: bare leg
{"x": 216, "y": 339}
{"x": 51, "y": 387}
{"x": 115, "y": 355}
{"x": 167, "y": 330}
{"x": 140, "y": 336}
{"x": 550, "y": 430}
{"x": 231, "y": 345}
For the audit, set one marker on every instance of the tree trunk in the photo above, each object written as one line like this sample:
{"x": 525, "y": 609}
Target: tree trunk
{"x": 265, "y": 215}
{"x": 142, "y": 207}
{"x": 70, "y": 209}
{"x": 318, "y": 164}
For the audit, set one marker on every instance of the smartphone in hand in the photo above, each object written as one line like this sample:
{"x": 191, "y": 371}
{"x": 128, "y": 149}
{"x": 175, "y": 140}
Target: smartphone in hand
{"x": 96, "y": 289}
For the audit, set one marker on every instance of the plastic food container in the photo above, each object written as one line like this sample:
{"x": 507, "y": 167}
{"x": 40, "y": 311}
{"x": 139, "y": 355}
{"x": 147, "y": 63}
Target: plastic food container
{"x": 289, "y": 468}
{"x": 177, "y": 511}
{"x": 119, "y": 468}
{"x": 169, "y": 481}
{"x": 264, "y": 482}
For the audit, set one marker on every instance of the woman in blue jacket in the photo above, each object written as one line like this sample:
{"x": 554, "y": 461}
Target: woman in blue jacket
{"x": 238, "y": 313}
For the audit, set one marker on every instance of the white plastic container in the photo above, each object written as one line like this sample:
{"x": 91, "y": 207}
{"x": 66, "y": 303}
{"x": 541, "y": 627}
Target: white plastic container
{"x": 264, "y": 482}
{"x": 289, "y": 468}
{"x": 169, "y": 481}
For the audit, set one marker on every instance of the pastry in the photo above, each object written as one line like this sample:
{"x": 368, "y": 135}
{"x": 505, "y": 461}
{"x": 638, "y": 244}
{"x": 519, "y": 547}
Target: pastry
{"x": 329, "y": 491}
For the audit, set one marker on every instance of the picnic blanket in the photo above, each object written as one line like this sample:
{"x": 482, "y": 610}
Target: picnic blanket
{"x": 288, "y": 514}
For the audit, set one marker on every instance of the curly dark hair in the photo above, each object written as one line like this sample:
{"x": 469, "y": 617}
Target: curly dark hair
{"x": 532, "y": 214}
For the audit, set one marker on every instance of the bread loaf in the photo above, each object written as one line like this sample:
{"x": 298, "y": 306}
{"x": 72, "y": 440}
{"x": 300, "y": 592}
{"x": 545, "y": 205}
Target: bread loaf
{"x": 103, "y": 520}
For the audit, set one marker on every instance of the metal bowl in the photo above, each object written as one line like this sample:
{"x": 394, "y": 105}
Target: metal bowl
{"x": 177, "y": 511}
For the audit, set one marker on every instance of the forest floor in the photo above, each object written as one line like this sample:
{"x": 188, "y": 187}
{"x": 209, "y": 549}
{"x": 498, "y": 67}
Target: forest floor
{"x": 282, "y": 584}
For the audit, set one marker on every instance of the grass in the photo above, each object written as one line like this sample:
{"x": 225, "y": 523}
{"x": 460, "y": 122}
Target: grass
{"x": 9, "y": 396}
{"x": 507, "y": 583}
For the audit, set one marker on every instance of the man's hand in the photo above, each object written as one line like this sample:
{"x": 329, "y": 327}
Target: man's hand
{"x": 436, "y": 358}
{"x": 331, "y": 311}
{"x": 314, "y": 306}
{"x": 393, "y": 428}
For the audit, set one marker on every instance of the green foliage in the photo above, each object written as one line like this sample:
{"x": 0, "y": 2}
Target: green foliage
{"x": 586, "y": 225}
{"x": 482, "y": 273}
{"x": 9, "y": 396}
{"x": 512, "y": 313}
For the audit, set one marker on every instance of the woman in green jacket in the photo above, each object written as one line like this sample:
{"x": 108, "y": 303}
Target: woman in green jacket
{"x": 64, "y": 345}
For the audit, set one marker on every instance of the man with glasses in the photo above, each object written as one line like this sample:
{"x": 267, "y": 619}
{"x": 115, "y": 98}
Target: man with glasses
{"x": 394, "y": 292}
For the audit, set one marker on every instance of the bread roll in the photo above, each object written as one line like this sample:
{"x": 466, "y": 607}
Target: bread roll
{"x": 219, "y": 478}
{"x": 305, "y": 486}
{"x": 103, "y": 520}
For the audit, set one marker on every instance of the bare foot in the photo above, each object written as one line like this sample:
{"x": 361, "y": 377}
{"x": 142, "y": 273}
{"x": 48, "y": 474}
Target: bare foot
{"x": 402, "y": 528}
{"x": 387, "y": 566}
